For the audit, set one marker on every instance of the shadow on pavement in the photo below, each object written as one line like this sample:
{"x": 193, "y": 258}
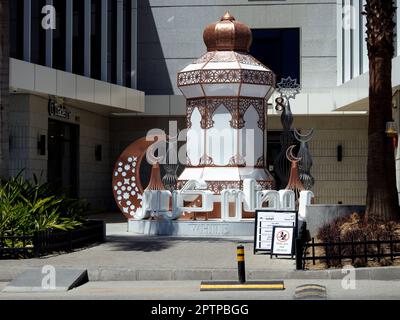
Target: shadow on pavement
{"x": 154, "y": 243}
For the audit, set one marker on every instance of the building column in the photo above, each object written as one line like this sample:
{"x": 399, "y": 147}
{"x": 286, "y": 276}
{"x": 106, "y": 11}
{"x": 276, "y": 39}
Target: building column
{"x": 398, "y": 28}
{"x": 69, "y": 35}
{"x": 27, "y": 30}
{"x": 87, "y": 37}
{"x": 49, "y": 42}
{"x": 120, "y": 42}
{"x": 364, "y": 54}
{"x": 104, "y": 40}
{"x": 339, "y": 36}
{"x": 356, "y": 38}
{"x": 396, "y": 117}
{"x": 134, "y": 41}
{"x": 347, "y": 21}
{"x": 4, "y": 87}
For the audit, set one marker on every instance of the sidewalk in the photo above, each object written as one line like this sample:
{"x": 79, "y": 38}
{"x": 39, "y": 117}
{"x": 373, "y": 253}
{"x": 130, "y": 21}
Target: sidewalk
{"x": 126, "y": 257}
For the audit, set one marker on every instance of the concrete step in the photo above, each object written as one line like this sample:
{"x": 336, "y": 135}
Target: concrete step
{"x": 47, "y": 279}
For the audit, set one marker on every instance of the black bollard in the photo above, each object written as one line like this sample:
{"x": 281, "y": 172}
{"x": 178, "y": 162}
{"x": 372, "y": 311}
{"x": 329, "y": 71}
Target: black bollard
{"x": 241, "y": 264}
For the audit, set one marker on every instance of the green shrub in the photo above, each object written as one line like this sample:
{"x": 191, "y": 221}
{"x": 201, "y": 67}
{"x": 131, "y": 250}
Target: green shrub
{"x": 29, "y": 206}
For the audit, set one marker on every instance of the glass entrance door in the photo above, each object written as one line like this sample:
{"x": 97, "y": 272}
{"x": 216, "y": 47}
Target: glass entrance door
{"x": 62, "y": 165}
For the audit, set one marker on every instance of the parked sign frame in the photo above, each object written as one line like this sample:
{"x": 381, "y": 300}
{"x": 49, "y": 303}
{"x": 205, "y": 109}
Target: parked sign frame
{"x": 286, "y": 247}
{"x": 265, "y": 221}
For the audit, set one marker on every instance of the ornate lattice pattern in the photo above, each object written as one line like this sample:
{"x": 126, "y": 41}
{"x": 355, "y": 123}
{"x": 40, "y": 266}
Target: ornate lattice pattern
{"x": 248, "y": 59}
{"x": 260, "y": 108}
{"x": 206, "y": 160}
{"x": 238, "y": 161}
{"x": 191, "y": 105}
{"x": 236, "y": 107}
{"x": 225, "y": 76}
{"x": 218, "y": 186}
{"x": 260, "y": 162}
{"x": 205, "y": 57}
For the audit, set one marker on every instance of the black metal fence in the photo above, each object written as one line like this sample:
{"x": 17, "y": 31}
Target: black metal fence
{"x": 51, "y": 241}
{"x": 336, "y": 252}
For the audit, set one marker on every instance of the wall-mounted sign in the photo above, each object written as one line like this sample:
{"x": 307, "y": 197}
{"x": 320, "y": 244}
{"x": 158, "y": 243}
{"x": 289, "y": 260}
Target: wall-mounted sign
{"x": 266, "y": 220}
{"x": 59, "y": 111}
{"x": 282, "y": 241}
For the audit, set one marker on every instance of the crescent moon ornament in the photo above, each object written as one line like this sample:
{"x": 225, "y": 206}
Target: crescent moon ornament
{"x": 126, "y": 183}
{"x": 303, "y": 137}
{"x": 290, "y": 156}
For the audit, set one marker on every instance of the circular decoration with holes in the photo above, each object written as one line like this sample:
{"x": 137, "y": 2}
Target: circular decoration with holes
{"x": 127, "y": 187}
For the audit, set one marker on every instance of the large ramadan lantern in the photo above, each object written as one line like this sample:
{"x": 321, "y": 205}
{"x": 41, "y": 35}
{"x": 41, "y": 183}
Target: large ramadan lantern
{"x": 227, "y": 91}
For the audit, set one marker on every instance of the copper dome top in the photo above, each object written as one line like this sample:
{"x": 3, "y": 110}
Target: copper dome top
{"x": 228, "y": 35}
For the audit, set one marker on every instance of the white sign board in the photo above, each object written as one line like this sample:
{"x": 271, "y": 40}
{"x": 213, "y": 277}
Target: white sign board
{"x": 266, "y": 220}
{"x": 282, "y": 241}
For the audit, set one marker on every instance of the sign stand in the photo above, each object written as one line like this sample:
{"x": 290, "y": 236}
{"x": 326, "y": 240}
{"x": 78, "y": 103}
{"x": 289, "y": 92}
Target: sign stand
{"x": 265, "y": 222}
{"x": 283, "y": 241}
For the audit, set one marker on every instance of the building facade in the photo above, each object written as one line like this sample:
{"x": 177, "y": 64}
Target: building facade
{"x": 107, "y": 73}
{"x": 72, "y": 65}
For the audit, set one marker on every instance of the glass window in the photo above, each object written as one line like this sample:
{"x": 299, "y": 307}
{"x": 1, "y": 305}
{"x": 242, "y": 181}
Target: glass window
{"x": 17, "y": 29}
{"x": 278, "y": 49}
{"x": 38, "y": 43}
{"x": 112, "y": 41}
{"x": 78, "y": 38}
{"x": 127, "y": 42}
{"x": 95, "y": 59}
{"x": 59, "y": 35}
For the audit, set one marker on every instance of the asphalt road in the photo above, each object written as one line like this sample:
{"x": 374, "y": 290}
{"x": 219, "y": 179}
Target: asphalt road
{"x": 190, "y": 290}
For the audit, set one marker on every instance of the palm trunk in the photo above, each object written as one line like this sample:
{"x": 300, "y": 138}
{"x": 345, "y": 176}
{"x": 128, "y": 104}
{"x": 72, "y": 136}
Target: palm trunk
{"x": 4, "y": 84}
{"x": 382, "y": 197}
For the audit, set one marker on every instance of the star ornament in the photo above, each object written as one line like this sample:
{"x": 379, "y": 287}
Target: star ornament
{"x": 288, "y": 88}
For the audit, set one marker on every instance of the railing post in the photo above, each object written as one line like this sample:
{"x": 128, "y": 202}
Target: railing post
{"x": 391, "y": 248}
{"x": 378, "y": 246}
{"x": 299, "y": 253}
{"x": 1, "y": 246}
{"x": 365, "y": 251}
{"x": 36, "y": 244}
{"x": 69, "y": 240}
{"x": 313, "y": 251}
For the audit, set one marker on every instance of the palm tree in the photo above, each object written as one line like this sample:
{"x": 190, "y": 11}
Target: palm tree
{"x": 382, "y": 198}
{"x": 4, "y": 84}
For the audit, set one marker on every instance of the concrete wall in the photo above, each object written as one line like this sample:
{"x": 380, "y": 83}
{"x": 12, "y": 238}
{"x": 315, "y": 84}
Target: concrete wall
{"x": 336, "y": 181}
{"x": 318, "y": 216}
{"x": 29, "y": 77}
{"x": 29, "y": 119}
{"x": 171, "y": 36}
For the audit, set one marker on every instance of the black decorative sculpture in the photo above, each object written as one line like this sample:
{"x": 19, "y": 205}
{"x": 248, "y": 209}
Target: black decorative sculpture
{"x": 306, "y": 160}
{"x": 288, "y": 89}
{"x": 170, "y": 177}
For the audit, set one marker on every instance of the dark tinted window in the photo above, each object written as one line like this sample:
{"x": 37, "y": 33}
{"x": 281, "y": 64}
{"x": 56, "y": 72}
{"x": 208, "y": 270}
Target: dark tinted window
{"x": 59, "y": 35}
{"x": 78, "y": 41}
{"x": 96, "y": 40}
{"x": 38, "y": 33}
{"x": 127, "y": 42}
{"x": 278, "y": 49}
{"x": 17, "y": 29}
{"x": 112, "y": 41}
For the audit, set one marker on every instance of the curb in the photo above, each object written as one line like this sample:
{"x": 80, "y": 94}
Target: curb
{"x": 127, "y": 274}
